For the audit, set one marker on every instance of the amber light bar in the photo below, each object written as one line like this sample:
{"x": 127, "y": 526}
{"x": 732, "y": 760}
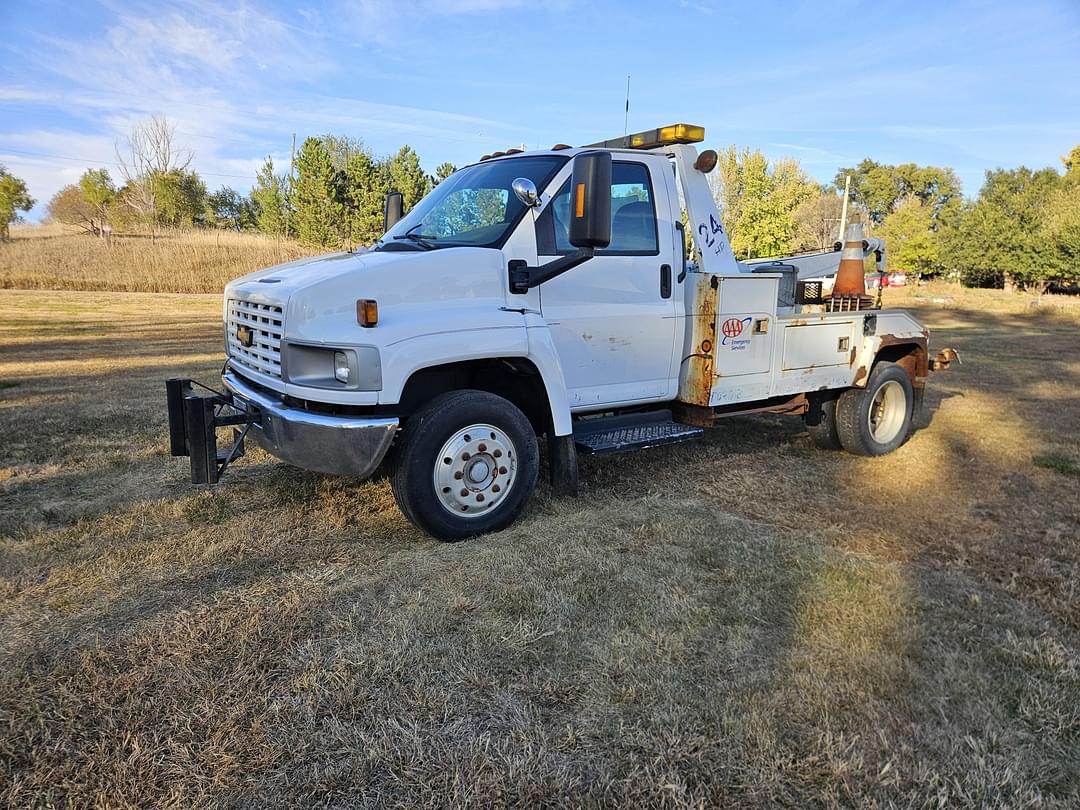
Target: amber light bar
{"x": 652, "y": 138}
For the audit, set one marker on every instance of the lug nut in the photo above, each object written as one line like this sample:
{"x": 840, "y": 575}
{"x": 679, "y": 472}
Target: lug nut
{"x": 502, "y": 470}
{"x": 458, "y": 475}
{"x": 495, "y": 487}
{"x": 465, "y": 456}
{"x": 479, "y": 498}
{"x": 464, "y": 493}
{"x": 497, "y": 454}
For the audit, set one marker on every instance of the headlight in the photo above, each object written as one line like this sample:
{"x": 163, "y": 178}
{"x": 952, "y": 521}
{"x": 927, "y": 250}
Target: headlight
{"x": 341, "y": 367}
{"x": 356, "y": 368}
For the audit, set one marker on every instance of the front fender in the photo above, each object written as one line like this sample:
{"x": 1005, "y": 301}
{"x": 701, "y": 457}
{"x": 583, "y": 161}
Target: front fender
{"x": 546, "y": 359}
{"x": 531, "y": 341}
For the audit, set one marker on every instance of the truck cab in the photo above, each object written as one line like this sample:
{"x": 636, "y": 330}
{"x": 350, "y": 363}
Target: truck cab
{"x": 587, "y": 296}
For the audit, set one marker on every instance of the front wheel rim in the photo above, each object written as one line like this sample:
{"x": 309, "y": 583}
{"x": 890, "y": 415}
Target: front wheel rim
{"x": 888, "y": 407}
{"x": 475, "y": 470}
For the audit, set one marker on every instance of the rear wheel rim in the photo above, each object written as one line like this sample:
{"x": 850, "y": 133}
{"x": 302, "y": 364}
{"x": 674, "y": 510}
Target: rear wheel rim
{"x": 475, "y": 470}
{"x": 888, "y": 408}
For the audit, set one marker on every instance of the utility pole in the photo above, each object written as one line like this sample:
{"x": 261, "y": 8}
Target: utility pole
{"x": 843, "y": 211}
{"x": 288, "y": 191}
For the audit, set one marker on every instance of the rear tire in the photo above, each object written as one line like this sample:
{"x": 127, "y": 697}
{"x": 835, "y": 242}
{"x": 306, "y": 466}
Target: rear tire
{"x": 820, "y": 423}
{"x": 875, "y": 420}
{"x": 465, "y": 464}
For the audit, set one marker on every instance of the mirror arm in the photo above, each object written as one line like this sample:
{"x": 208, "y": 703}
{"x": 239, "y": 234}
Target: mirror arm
{"x": 523, "y": 278}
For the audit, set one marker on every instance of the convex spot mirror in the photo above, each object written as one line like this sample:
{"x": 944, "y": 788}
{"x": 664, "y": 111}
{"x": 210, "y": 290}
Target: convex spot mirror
{"x": 525, "y": 190}
{"x": 394, "y": 210}
{"x": 590, "y": 200}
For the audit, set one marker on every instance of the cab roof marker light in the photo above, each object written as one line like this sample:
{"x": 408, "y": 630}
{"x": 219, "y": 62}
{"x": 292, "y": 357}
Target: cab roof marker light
{"x": 652, "y": 138}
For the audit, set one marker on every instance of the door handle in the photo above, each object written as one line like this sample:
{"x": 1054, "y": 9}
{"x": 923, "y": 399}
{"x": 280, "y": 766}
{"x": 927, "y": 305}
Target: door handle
{"x": 682, "y": 246}
{"x": 665, "y": 281}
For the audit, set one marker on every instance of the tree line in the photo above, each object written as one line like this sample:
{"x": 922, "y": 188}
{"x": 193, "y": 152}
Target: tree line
{"x": 332, "y": 197}
{"x": 1022, "y": 230}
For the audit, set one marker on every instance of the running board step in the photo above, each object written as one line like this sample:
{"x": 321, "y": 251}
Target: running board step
{"x": 635, "y": 431}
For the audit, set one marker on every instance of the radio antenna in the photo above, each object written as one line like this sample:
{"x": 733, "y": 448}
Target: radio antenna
{"x": 626, "y": 114}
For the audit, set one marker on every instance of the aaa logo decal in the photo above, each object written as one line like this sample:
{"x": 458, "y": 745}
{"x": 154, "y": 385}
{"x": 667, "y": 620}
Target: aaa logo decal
{"x": 732, "y": 328}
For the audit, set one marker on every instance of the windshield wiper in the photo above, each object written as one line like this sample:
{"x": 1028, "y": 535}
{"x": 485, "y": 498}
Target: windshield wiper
{"x": 419, "y": 239}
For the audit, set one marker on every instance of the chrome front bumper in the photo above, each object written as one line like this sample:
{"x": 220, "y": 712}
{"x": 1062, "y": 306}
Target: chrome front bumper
{"x": 340, "y": 445}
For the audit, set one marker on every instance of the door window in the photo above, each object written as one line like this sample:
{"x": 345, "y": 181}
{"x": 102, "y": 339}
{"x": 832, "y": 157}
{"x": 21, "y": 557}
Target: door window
{"x": 633, "y": 216}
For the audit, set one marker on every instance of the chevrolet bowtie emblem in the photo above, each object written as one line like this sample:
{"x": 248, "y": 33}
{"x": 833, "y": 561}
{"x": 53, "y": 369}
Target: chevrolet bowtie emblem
{"x": 245, "y": 335}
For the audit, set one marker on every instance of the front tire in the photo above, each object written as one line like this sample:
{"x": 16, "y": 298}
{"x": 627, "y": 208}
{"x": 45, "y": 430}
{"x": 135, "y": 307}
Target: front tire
{"x": 465, "y": 464}
{"x": 875, "y": 420}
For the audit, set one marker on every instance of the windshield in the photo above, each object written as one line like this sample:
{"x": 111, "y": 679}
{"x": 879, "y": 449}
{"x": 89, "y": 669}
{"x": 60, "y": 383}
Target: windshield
{"x": 474, "y": 206}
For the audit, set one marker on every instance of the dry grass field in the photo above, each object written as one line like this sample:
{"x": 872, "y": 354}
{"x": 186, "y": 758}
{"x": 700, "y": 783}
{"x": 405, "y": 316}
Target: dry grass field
{"x": 742, "y": 621}
{"x": 58, "y": 258}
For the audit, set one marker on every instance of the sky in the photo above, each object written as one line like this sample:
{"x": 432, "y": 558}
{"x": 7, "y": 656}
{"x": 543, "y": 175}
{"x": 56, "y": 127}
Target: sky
{"x": 971, "y": 85}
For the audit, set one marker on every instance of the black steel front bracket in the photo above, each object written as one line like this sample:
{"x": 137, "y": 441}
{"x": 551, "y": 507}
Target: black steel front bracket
{"x": 194, "y": 418}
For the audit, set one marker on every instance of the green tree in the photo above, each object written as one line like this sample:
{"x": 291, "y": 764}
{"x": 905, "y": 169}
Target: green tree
{"x": 1072, "y": 162}
{"x": 99, "y": 193}
{"x": 366, "y": 184}
{"x": 758, "y": 201}
{"x": 14, "y": 197}
{"x": 229, "y": 209}
{"x": 879, "y": 188}
{"x": 407, "y": 177}
{"x": 1061, "y": 230}
{"x": 1000, "y": 240}
{"x": 317, "y": 196}
{"x": 910, "y": 236}
{"x": 180, "y": 199}
{"x": 341, "y": 148}
{"x": 1061, "y": 225}
{"x": 442, "y": 171}
{"x": 269, "y": 200}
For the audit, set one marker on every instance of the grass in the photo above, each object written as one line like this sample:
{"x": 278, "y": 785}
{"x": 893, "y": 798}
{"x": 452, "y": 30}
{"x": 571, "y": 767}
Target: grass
{"x": 1061, "y": 464}
{"x": 742, "y": 621}
{"x": 58, "y": 258}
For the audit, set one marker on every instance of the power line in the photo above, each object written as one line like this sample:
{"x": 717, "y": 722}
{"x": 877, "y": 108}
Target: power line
{"x": 107, "y": 162}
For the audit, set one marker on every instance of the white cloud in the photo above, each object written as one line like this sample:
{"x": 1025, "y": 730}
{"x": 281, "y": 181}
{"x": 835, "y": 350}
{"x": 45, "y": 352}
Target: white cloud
{"x": 231, "y": 80}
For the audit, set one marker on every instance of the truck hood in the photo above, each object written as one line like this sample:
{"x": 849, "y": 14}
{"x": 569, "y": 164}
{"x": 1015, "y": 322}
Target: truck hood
{"x": 319, "y": 294}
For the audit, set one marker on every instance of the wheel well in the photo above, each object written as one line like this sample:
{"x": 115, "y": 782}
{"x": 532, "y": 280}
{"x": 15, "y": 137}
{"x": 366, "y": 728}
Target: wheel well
{"x": 513, "y": 378}
{"x": 912, "y": 357}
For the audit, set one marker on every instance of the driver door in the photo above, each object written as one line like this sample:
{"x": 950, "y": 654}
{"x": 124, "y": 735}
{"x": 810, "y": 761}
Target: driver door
{"x": 613, "y": 318}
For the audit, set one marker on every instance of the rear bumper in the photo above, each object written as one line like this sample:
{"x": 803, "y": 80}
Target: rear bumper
{"x": 339, "y": 445}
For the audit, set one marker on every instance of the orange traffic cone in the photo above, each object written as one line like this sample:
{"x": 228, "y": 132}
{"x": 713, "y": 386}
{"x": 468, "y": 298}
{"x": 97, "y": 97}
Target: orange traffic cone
{"x": 849, "y": 290}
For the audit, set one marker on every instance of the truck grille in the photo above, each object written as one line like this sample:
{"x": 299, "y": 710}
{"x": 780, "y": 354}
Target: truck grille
{"x": 265, "y": 323}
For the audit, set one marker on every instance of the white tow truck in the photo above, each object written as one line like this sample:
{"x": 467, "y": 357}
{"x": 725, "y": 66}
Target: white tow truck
{"x": 547, "y": 294}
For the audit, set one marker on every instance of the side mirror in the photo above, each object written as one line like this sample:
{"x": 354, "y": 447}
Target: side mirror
{"x": 590, "y": 200}
{"x": 525, "y": 190}
{"x": 394, "y": 210}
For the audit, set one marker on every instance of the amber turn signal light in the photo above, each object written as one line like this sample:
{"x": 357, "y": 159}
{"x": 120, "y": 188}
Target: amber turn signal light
{"x": 367, "y": 312}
